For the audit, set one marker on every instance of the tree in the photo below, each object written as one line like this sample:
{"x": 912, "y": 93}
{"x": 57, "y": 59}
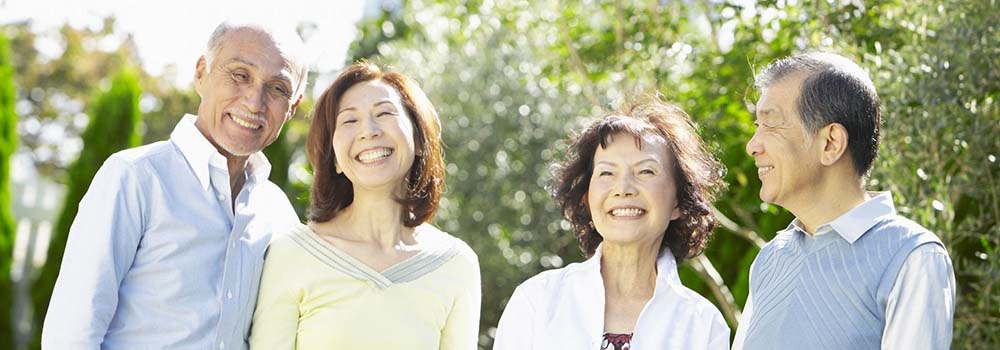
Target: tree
{"x": 8, "y": 143}
{"x": 114, "y": 125}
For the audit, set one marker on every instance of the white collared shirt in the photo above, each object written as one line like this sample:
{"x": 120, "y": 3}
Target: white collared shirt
{"x": 157, "y": 258}
{"x": 564, "y": 309}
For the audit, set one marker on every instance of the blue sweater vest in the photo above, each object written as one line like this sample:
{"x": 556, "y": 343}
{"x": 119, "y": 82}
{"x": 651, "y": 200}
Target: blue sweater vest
{"x": 825, "y": 293}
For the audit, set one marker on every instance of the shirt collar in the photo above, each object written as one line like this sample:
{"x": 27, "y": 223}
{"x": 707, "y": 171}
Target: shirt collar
{"x": 201, "y": 155}
{"x": 855, "y": 222}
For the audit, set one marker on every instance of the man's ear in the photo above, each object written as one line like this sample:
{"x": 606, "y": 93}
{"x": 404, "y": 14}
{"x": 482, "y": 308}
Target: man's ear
{"x": 200, "y": 74}
{"x": 294, "y": 107}
{"x": 833, "y": 139}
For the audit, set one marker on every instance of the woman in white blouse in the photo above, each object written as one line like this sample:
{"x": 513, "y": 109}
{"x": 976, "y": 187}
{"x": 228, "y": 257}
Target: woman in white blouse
{"x": 636, "y": 186}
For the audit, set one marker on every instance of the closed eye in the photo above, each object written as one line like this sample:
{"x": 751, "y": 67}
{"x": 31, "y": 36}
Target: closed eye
{"x": 281, "y": 91}
{"x": 647, "y": 172}
{"x": 239, "y": 76}
{"x": 604, "y": 173}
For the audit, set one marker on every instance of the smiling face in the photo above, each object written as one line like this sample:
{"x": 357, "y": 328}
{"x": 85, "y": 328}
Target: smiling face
{"x": 247, "y": 94}
{"x": 632, "y": 194}
{"x": 373, "y": 141}
{"x": 786, "y": 157}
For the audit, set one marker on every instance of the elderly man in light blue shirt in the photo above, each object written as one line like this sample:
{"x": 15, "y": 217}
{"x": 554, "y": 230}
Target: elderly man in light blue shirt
{"x": 167, "y": 247}
{"x": 849, "y": 272}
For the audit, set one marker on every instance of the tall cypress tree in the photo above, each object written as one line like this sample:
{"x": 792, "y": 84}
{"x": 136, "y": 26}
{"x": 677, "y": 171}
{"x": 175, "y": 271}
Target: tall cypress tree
{"x": 8, "y": 143}
{"x": 114, "y": 126}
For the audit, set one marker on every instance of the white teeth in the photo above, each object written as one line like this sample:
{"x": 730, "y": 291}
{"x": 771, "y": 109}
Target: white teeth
{"x": 627, "y": 212}
{"x": 242, "y": 120}
{"x": 374, "y": 155}
{"x": 764, "y": 170}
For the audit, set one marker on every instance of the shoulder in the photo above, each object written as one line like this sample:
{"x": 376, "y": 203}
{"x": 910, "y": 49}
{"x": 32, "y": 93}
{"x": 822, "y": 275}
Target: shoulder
{"x": 551, "y": 281}
{"x": 288, "y": 241}
{"x": 898, "y": 236}
{"x": 129, "y": 169}
{"x": 698, "y": 306}
{"x": 269, "y": 190}
{"x": 784, "y": 240}
{"x": 908, "y": 229}
{"x": 143, "y": 155}
{"x": 269, "y": 201}
{"x": 446, "y": 244}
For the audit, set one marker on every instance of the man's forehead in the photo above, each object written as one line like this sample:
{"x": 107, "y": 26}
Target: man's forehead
{"x": 255, "y": 43}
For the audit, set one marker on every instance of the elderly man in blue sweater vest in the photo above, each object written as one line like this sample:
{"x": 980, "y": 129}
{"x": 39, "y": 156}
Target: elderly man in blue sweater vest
{"x": 848, "y": 272}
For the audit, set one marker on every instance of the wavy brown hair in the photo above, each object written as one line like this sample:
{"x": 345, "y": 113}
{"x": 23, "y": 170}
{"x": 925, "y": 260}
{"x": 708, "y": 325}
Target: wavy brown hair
{"x": 697, "y": 174}
{"x": 332, "y": 192}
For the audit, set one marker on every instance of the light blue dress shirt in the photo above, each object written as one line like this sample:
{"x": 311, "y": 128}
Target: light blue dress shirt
{"x": 157, "y": 258}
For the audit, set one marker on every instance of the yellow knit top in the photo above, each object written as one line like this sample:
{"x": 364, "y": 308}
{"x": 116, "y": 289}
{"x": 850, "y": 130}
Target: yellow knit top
{"x": 315, "y": 296}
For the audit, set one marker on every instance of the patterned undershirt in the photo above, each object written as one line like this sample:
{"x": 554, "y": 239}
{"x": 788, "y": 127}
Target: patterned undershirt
{"x": 616, "y": 341}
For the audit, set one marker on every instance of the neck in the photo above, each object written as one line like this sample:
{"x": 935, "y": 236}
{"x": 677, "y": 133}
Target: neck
{"x": 237, "y": 166}
{"x": 629, "y": 271}
{"x": 834, "y": 196}
{"x": 374, "y": 218}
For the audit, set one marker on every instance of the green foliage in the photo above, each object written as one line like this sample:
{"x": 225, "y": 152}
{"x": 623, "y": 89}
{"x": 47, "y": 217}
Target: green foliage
{"x": 114, "y": 125}
{"x": 510, "y": 78}
{"x": 8, "y": 143}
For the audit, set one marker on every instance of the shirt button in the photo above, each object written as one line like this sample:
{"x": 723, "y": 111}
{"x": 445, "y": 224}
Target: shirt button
{"x": 229, "y": 295}
{"x": 222, "y": 197}
{"x": 222, "y": 345}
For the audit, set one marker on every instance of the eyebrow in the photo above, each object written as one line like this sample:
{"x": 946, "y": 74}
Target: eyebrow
{"x": 647, "y": 160}
{"x": 352, "y": 108}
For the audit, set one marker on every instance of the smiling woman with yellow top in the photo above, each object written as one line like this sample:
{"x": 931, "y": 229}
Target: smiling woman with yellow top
{"x": 368, "y": 271}
{"x": 636, "y": 187}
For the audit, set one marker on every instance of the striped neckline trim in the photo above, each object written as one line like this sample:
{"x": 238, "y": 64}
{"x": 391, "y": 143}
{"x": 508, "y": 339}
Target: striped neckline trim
{"x": 440, "y": 248}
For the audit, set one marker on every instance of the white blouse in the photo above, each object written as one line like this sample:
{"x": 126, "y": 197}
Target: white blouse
{"x": 564, "y": 309}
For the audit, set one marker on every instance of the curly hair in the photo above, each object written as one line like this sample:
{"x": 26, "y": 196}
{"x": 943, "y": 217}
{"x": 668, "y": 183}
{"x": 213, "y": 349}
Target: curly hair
{"x": 697, "y": 174}
{"x": 332, "y": 192}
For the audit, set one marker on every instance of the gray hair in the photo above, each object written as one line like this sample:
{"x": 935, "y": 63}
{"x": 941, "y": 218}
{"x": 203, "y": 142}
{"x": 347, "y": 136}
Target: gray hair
{"x": 835, "y": 90}
{"x": 287, "y": 41}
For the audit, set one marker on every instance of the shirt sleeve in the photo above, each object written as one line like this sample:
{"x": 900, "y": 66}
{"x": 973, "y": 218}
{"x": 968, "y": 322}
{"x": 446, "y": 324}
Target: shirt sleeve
{"x": 461, "y": 330}
{"x": 718, "y": 338}
{"x": 276, "y": 318}
{"x": 100, "y": 248}
{"x": 744, "y": 323}
{"x": 921, "y": 303}
{"x": 516, "y": 329}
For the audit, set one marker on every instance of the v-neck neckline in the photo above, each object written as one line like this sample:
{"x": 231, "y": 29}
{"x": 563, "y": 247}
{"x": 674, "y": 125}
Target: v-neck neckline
{"x": 440, "y": 247}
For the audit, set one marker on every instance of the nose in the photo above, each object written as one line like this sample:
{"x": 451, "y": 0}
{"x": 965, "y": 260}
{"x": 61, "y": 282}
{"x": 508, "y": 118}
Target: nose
{"x": 371, "y": 129}
{"x": 625, "y": 187}
{"x": 253, "y": 99}
{"x": 754, "y": 147}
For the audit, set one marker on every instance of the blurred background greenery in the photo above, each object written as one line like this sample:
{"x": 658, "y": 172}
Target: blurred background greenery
{"x": 511, "y": 79}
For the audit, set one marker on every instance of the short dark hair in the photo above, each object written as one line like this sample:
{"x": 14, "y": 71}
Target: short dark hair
{"x": 332, "y": 192}
{"x": 835, "y": 90}
{"x": 697, "y": 174}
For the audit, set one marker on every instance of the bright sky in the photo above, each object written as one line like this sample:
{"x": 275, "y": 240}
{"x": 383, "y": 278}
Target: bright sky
{"x": 175, "y": 31}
